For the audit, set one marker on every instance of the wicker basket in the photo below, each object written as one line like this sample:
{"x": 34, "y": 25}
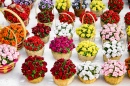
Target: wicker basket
{"x": 46, "y": 39}
{"x": 86, "y": 39}
{"x": 112, "y": 58}
{"x": 128, "y": 38}
{"x": 36, "y": 80}
{"x": 98, "y": 13}
{"x": 61, "y": 10}
{"x": 85, "y": 58}
{"x": 87, "y": 81}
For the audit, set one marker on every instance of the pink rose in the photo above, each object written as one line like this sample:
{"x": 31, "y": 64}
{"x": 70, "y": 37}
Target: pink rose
{"x": 4, "y": 62}
{"x": 115, "y": 74}
{"x": 111, "y": 70}
{"x": 107, "y": 36}
{"x": 121, "y": 73}
{"x": 111, "y": 66}
{"x": 110, "y": 33}
{"x": 112, "y": 29}
{"x": 117, "y": 69}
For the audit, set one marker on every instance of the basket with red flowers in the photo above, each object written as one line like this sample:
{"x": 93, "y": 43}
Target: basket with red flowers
{"x": 127, "y": 19}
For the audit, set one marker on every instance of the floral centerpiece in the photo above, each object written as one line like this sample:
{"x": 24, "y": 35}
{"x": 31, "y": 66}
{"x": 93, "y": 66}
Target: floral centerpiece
{"x": 23, "y": 12}
{"x": 86, "y": 32}
{"x": 67, "y": 16}
{"x": 127, "y": 63}
{"x": 63, "y": 72}
{"x": 87, "y": 50}
{"x": 128, "y": 33}
{"x": 115, "y": 5}
{"x": 45, "y": 17}
{"x": 109, "y": 16}
{"x": 8, "y": 57}
{"x": 79, "y": 6}
{"x": 127, "y": 19}
{"x": 111, "y": 32}
{"x": 34, "y": 68}
{"x": 42, "y": 31}
{"x": 62, "y": 47}
{"x": 113, "y": 71}
{"x": 64, "y": 29}
{"x": 88, "y": 72}
{"x": 88, "y": 17}
{"x": 46, "y": 5}
{"x": 97, "y": 7}
{"x": 112, "y": 50}
{"x": 1, "y": 2}
{"x": 34, "y": 46}
{"x": 62, "y": 5}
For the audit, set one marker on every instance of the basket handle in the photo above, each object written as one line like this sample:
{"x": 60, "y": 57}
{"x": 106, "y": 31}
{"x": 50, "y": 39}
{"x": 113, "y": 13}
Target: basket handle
{"x": 84, "y": 16}
{"x": 81, "y": 1}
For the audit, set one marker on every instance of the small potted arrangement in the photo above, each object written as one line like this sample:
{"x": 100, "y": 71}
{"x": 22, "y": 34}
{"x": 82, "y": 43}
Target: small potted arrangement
{"x": 22, "y": 11}
{"x": 88, "y": 18}
{"x": 113, "y": 71}
{"x": 46, "y": 5}
{"x": 63, "y": 72}
{"x": 97, "y": 7}
{"x": 61, "y": 47}
{"x": 45, "y": 17}
{"x": 109, "y": 16}
{"x": 1, "y": 2}
{"x": 112, "y": 50}
{"x": 8, "y": 57}
{"x": 87, "y": 50}
{"x": 28, "y": 3}
{"x": 111, "y": 32}
{"x": 79, "y": 6}
{"x": 64, "y": 29}
{"x": 128, "y": 33}
{"x": 127, "y": 64}
{"x": 86, "y": 32}
{"x": 127, "y": 19}
{"x": 34, "y": 46}
{"x": 34, "y": 69}
{"x": 115, "y": 5}
{"x": 88, "y": 72}
{"x": 42, "y": 31}
{"x": 67, "y": 16}
{"x": 62, "y": 5}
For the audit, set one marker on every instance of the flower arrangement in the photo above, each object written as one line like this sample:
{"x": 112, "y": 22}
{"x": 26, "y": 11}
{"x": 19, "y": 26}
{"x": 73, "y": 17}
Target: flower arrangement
{"x": 34, "y": 68}
{"x": 109, "y": 16}
{"x": 97, "y": 7}
{"x": 87, "y": 17}
{"x": 128, "y": 33}
{"x": 116, "y": 5}
{"x": 8, "y": 57}
{"x": 23, "y": 12}
{"x": 34, "y": 46}
{"x": 63, "y": 72}
{"x": 79, "y": 6}
{"x": 86, "y": 32}
{"x": 88, "y": 72}
{"x": 62, "y": 5}
{"x": 62, "y": 47}
{"x": 112, "y": 50}
{"x": 64, "y": 29}
{"x": 45, "y": 17}
{"x": 127, "y": 64}
{"x": 87, "y": 50}
{"x": 111, "y": 32}
{"x": 127, "y": 19}
{"x": 67, "y": 16}
{"x": 113, "y": 71}
{"x": 1, "y": 2}
{"x": 42, "y": 31}
{"x": 46, "y": 5}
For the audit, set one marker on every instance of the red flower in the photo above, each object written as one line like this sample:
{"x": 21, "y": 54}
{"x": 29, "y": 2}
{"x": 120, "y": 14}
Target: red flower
{"x": 127, "y": 18}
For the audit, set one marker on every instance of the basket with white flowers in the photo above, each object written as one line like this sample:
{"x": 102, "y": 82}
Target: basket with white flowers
{"x": 112, "y": 50}
{"x": 88, "y": 72}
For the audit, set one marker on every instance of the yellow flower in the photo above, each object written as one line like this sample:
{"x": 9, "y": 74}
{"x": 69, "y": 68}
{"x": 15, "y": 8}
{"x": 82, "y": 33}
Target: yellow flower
{"x": 81, "y": 53}
{"x": 82, "y": 35}
{"x": 89, "y": 31}
{"x": 88, "y": 35}
{"x": 63, "y": 7}
{"x": 128, "y": 30}
{"x": 84, "y": 30}
{"x": 90, "y": 49}
{"x": 94, "y": 8}
{"x": 88, "y": 55}
{"x": 84, "y": 49}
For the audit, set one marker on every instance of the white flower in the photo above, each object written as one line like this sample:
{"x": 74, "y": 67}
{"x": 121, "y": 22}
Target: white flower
{"x": 119, "y": 49}
{"x": 59, "y": 27}
{"x": 108, "y": 55}
{"x": 91, "y": 77}
{"x": 60, "y": 34}
{"x": 80, "y": 75}
{"x": 114, "y": 54}
{"x": 109, "y": 51}
{"x": 7, "y": 2}
{"x": 96, "y": 75}
{"x": 91, "y": 67}
{"x": 64, "y": 25}
{"x": 114, "y": 42}
{"x": 68, "y": 34}
{"x": 114, "y": 46}
{"x": 118, "y": 54}
{"x": 56, "y": 31}
{"x": 104, "y": 52}
{"x": 64, "y": 34}
{"x": 85, "y": 78}
{"x": 107, "y": 45}
{"x": 79, "y": 68}
{"x": 119, "y": 44}
{"x": 83, "y": 72}
{"x": 69, "y": 27}
{"x": 63, "y": 31}
{"x": 87, "y": 63}
{"x": 114, "y": 51}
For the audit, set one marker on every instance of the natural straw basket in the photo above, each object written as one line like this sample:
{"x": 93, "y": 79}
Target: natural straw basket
{"x": 36, "y": 80}
{"x": 87, "y": 81}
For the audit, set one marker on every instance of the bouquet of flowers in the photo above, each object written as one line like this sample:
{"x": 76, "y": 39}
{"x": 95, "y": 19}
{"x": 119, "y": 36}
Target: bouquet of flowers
{"x": 79, "y": 6}
{"x": 62, "y": 5}
{"x": 34, "y": 46}
{"x": 88, "y": 17}
{"x": 62, "y": 47}
{"x": 45, "y": 17}
{"x": 111, "y": 32}
{"x": 63, "y": 72}
{"x": 112, "y": 50}
{"x": 34, "y": 68}
{"x": 88, "y": 72}
{"x": 86, "y": 32}
{"x": 127, "y": 64}
{"x": 97, "y": 7}
{"x": 87, "y": 50}
{"x": 67, "y": 16}
{"x": 22, "y": 11}
{"x": 113, "y": 71}
{"x": 8, "y": 58}
{"x": 115, "y": 5}
{"x": 128, "y": 33}
{"x": 64, "y": 29}
{"x": 109, "y": 16}
{"x": 1, "y": 2}
{"x": 42, "y": 31}
{"x": 46, "y": 5}
{"x": 127, "y": 19}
